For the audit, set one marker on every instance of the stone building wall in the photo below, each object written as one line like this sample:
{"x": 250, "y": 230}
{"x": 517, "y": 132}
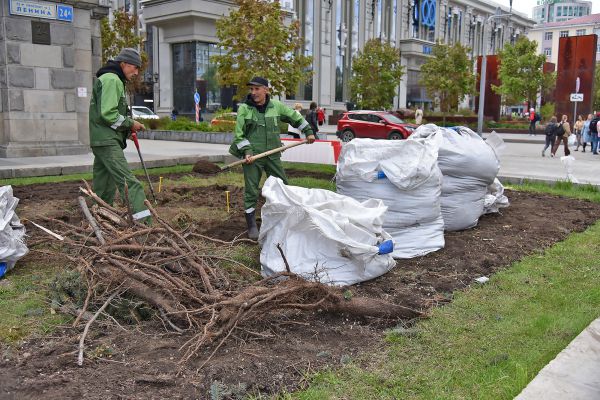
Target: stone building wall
{"x": 45, "y": 88}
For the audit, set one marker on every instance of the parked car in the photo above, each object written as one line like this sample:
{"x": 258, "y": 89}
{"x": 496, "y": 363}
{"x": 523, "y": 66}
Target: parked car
{"x": 372, "y": 124}
{"x": 225, "y": 120}
{"x": 141, "y": 112}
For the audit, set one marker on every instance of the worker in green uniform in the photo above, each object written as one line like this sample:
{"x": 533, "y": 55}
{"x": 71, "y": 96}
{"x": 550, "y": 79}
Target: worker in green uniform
{"x": 110, "y": 127}
{"x": 256, "y": 131}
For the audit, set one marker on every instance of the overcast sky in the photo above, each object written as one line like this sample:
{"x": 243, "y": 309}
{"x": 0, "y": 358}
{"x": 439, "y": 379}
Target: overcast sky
{"x": 526, "y": 6}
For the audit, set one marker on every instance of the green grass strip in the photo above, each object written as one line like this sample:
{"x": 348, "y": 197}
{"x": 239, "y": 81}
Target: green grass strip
{"x": 184, "y": 168}
{"x": 25, "y": 302}
{"x": 492, "y": 339}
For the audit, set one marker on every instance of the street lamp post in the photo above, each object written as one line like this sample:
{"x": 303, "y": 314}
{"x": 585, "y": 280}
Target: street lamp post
{"x": 483, "y": 70}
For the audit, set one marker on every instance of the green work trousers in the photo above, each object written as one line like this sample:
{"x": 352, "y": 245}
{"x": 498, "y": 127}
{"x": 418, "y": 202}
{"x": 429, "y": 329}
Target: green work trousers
{"x": 111, "y": 171}
{"x": 252, "y": 175}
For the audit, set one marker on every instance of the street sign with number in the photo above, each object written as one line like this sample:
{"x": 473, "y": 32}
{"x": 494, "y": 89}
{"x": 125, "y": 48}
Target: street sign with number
{"x": 576, "y": 96}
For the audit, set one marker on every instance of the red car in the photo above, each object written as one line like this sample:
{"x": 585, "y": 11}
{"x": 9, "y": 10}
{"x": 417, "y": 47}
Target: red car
{"x": 372, "y": 124}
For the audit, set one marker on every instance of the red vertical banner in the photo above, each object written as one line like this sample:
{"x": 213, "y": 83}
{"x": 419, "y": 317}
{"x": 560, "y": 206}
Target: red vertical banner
{"x": 576, "y": 59}
{"x": 491, "y": 107}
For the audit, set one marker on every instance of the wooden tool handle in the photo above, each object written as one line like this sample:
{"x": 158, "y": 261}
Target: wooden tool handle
{"x": 265, "y": 154}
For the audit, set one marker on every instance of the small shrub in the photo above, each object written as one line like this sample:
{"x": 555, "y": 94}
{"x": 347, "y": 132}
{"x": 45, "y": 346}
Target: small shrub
{"x": 547, "y": 111}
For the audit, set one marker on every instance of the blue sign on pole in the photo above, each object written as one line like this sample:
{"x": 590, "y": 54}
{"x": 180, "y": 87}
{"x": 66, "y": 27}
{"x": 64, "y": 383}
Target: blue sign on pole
{"x": 197, "y": 98}
{"x": 64, "y": 13}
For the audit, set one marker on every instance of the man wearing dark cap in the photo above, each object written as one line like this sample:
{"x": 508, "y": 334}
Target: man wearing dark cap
{"x": 110, "y": 127}
{"x": 256, "y": 131}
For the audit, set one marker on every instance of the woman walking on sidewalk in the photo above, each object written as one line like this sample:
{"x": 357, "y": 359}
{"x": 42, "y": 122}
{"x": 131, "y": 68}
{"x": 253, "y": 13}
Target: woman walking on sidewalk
{"x": 586, "y": 136}
{"x": 578, "y": 127}
{"x": 562, "y": 134}
{"x": 550, "y": 135}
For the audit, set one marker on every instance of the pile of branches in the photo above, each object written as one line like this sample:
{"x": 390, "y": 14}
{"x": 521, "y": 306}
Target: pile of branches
{"x": 180, "y": 274}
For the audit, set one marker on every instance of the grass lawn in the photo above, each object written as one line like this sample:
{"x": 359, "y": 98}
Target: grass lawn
{"x": 488, "y": 343}
{"x": 492, "y": 339}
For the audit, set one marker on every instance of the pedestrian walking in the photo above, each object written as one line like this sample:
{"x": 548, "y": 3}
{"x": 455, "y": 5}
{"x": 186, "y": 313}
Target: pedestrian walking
{"x": 110, "y": 127}
{"x": 321, "y": 116}
{"x": 594, "y": 128}
{"x": 256, "y": 131}
{"x": 419, "y": 116}
{"x": 586, "y": 136}
{"x": 312, "y": 118}
{"x": 533, "y": 119}
{"x": 295, "y": 132}
{"x": 562, "y": 134}
{"x": 578, "y": 128}
{"x": 550, "y": 132}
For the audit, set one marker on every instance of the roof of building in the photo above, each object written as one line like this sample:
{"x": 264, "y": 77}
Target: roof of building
{"x": 585, "y": 20}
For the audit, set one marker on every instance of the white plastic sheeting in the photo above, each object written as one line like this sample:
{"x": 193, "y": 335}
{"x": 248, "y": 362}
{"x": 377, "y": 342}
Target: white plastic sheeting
{"x": 469, "y": 166}
{"x": 405, "y": 175}
{"x": 12, "y": 232}
{"x": 325, "y": 237}
{"x": 495, "y": 199}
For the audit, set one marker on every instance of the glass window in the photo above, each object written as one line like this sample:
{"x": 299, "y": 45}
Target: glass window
{"x": 548, "y": 36}
{"x": 559, "y": 11}
{"x": 548, "y": 51}
{"x": 580, "y": 32}
{"x": 193, "y": 70}
{"x": 564, "y": 33}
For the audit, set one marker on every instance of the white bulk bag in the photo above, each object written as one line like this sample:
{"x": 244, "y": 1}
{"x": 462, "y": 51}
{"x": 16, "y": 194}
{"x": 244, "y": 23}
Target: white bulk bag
{"x": 325, "y": 237}
{"x": 469, "y": 165}
{"x": 12, "y": 232}
{"x": 404, "y": 174}
{"x": 495, "y": 199}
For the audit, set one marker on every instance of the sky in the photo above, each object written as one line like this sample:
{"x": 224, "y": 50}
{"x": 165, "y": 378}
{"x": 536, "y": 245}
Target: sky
{"x": 526, "y": 6}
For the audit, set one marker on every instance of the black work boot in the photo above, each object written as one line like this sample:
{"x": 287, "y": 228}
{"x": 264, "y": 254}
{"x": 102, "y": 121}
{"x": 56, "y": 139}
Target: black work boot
{"x": 252, "y": 229}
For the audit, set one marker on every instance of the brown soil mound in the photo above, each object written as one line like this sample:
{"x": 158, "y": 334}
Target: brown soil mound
{"x": 206, "y": 167}
{"x": 272, "y": 355}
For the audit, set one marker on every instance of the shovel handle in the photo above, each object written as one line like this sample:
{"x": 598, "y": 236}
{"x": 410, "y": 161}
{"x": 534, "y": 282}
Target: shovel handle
{"x": 265, "y": 154}
{"x": 135, "y": 140}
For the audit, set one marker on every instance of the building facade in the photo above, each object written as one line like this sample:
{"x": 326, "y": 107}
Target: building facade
{"x": 548, "y": 35}
{"x": 560, "y": 10}
{"x": 48, "y": 51}
{"x": 183, "y": 38}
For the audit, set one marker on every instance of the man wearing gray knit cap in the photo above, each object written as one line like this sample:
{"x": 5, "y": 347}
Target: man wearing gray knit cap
{"x": 110, "y": 127}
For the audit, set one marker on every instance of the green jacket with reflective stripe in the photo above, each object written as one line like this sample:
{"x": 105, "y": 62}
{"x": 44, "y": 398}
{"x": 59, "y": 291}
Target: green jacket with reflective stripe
{"x": 108, "y": 120}
{"x": 257, "y": 132}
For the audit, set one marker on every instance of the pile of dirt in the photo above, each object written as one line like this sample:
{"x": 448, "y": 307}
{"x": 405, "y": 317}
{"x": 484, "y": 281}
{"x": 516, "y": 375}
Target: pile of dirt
{"x": 273, "y": 355}
{"x": 205, "y": 167}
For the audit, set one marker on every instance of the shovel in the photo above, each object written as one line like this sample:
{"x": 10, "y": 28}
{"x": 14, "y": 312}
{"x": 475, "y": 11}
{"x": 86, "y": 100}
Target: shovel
{"x": 137, "y": 146}
{"x": 207, "y": 167}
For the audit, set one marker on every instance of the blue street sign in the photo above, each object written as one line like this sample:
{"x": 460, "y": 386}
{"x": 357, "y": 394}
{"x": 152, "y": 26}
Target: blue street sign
{"x": 65, "y": 13}
{"x": 197, "y": 98}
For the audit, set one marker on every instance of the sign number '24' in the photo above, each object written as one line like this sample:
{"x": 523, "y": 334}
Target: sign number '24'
{"x": 65, "y": 13}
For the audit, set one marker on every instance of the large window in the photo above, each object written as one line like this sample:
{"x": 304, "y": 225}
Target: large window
{"x": 306, "y": 16}
{"x": 564, "y": 33}
{"x": 548, "y": 36}
{"x": 193, "y": 70}
{"x": 580, "y": 32}
{"x": 346, "y": 37}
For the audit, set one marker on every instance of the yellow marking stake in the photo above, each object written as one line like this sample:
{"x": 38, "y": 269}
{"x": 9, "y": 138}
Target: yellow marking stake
{"x": 227, "y": 199}
{"x": 159, "y": 184}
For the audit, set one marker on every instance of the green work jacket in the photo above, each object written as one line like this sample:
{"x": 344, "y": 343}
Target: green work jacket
{"x": 257, "y": 132}
{"x": 108, "y": 120}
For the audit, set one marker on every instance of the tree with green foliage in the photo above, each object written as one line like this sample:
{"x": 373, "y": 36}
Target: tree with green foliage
{"x": 520, "y": 71}
{"x": 118, "y": 35}
{"x": 257, "y": 42}
{"x": 122, "y": 33}
{"x": 448, "y": 75}
{"x": 376, "y": 75}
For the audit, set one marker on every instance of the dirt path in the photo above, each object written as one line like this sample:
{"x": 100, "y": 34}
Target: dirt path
{"x": 271, "y": 355}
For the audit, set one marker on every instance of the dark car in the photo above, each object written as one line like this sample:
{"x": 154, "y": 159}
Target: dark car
{"x": 372, "y": 124}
